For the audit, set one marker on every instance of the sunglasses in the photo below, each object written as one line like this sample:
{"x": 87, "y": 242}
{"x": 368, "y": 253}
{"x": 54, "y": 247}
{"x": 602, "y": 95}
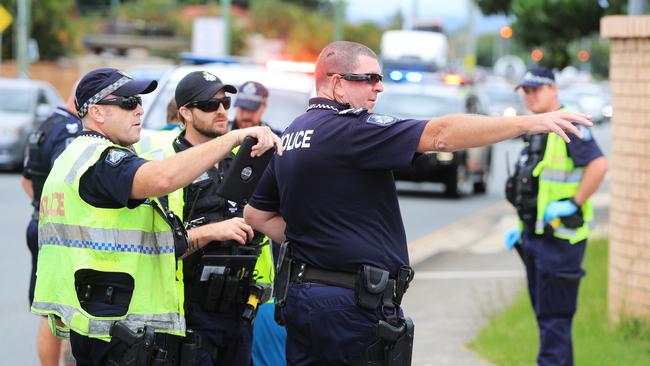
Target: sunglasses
{"x": 128, "y": 103}
{"x": 371, "y": 78}
{"x": 210, "y": 105}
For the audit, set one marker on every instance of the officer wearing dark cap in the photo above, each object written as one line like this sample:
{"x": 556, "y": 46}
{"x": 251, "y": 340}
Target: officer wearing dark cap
{"x": 215, "y": 305}
{"x": 45, "y": 144}
{"x": 106, "y": 273}
{"x": 332, "y": 197}
{"x": 251, "y": 104}
{"x": 550, "y": 190}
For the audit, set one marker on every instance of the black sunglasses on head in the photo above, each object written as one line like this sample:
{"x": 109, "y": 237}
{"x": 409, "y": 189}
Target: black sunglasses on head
{"x": 368, "y": 77}
{"x": 128, "y": 103}
{"x": 210, "y": 105}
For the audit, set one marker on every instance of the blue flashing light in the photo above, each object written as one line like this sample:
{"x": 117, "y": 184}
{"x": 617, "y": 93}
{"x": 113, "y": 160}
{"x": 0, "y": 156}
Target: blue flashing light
{"x": 198, "y": 60}
{"x": 396, "y": 75}
{"x": 414, "y": 77}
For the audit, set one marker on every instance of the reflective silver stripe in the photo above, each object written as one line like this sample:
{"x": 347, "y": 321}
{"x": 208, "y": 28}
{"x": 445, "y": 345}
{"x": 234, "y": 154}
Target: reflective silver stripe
{"x": 167, "y": 322}
{"x": 565, "y": 231}
{"x": 539, "y": 225}
{"x": 102, "y": 93}
{"x": 83, "y": 159}
{"x": 557, "y": 175}
{"x": 129, "y": 241}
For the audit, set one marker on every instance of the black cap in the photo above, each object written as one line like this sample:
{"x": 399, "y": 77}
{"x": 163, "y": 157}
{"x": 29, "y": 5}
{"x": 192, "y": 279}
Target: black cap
{"x": 251, "y": 95}
{"x": 536, "y": 77}
{"x": 198, "y": 86}
{"x": 99, "y": 83}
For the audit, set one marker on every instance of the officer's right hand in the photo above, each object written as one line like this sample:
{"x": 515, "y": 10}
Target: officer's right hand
{"x": 265, "y": 139}
{"x": 512, "y": 237}
{"x": 559, "y": 122}
{"x": 232, "y": 229}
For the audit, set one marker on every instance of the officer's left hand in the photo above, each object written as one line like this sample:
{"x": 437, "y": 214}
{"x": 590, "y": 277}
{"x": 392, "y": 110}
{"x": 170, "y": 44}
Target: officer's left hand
{"x": 559, "y": 209}
{"x": 266, "y": 139}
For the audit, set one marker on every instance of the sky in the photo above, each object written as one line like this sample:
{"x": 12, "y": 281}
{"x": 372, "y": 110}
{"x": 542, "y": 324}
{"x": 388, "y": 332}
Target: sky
{"x": 453, "y": 13}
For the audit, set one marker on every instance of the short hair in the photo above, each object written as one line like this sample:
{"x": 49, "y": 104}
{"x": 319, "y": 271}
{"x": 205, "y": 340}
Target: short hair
{"x": 339, "y": 56}
{"x": 173, "y": 116}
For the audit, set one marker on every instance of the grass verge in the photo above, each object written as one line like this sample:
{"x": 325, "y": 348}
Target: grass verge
{"x": 511, "y": 338}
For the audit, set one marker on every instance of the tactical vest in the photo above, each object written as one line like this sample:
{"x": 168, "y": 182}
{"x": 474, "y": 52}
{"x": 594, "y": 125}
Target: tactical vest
{"x": 554, "y": 178}
{"x": 199, "y": 200}
{"x": 39, "y": 164}
{"x": 75, "y": 236}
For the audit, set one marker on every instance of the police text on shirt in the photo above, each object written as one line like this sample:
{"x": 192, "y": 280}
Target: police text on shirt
{"x": 297, "y": 140}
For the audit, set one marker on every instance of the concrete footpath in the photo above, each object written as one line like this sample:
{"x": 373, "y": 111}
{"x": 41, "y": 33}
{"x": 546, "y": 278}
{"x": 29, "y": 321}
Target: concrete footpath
{"x": 464, "y": 276}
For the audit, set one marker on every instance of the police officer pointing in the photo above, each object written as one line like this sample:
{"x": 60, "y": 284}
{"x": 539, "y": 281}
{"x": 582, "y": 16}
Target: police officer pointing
{"x": 550, "y": 190}
{"x": 45, "y": 144}
{"x": 107, "y": 270}
{"x": 332, "y": 197}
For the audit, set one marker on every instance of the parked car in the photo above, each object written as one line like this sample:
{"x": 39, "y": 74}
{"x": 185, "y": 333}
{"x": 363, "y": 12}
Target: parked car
{"x": 588, "y": 98}
{"x": 289, "y": 92}
{"x": 462, "y": 171}
{"x": 24, "y": 105}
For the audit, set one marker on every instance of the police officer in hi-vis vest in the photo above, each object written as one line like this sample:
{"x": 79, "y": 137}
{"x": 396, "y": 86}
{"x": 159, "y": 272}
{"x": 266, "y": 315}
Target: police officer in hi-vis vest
{"x": 550, "y": 189}
{"x": 107, "y": 269}
{"x": 332, "y": 196}
{"x": 217, "y": 309}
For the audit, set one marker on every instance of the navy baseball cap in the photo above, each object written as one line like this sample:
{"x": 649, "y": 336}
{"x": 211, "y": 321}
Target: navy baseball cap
{"x": 99, "y": 83}
{"x": 536, "y": 77}
{"x": 199, "y": 86}
{"x": 251, "y": 95}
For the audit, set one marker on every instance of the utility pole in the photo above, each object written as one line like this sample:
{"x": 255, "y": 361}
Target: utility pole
{"x": 225, "y": 16}
{"x": 22, "y": 37}
{"x": 339, "y": 17}
{"x": 636, "y": 7}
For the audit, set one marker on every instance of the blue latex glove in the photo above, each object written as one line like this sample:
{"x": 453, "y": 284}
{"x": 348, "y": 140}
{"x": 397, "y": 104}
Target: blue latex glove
{"x": 559, "y": 209}
{"x": 512, "y": 237}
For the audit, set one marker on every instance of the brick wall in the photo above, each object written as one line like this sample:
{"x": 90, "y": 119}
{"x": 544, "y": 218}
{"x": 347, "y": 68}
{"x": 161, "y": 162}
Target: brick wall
{"x": 629, "y": 265}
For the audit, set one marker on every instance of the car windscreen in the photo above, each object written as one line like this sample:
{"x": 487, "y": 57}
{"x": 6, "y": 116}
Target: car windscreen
{"x": 283, "y": 107}
{"x": 13, "y": 99}
{"x": 418, "y": 106}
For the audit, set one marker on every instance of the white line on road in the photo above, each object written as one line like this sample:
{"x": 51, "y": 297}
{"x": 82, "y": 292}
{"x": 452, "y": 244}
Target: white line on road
{"x": 461, "y": 275}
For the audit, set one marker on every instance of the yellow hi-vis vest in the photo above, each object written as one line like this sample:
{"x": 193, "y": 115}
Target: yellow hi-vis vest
{"x": 560, "y": 179}
{"x": 161, "y": 147}
{"x": 73, "y": 235}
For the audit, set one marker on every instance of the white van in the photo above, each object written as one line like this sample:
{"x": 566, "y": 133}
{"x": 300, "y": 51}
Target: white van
{"x": 413, "y": 50}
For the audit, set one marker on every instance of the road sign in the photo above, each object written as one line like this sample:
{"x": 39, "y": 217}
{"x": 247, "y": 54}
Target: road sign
{"x": 5, "y": 19}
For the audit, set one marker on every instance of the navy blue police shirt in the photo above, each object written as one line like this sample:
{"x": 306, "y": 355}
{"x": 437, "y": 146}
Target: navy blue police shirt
{"x": 67, "y": 126}
{"x": 107, "y": 184}
{"x": 334, "y": 186}
{"x": 582, "y": 151}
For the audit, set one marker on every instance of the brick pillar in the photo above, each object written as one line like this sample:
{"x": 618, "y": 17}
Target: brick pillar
{"x": 629, "y": 252}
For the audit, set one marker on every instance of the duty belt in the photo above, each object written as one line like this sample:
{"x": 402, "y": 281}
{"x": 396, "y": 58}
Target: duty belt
{"x": 103, "y": 294}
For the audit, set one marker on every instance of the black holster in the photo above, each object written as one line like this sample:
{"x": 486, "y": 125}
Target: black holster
{"x": 281, "y": 283}
{"x": 394, "y": 346}
{"x": 142, "y": 349}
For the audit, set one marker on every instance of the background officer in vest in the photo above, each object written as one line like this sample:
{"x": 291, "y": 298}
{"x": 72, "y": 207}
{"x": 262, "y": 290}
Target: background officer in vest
{"x": 45, "y": 145}
{"x": 550, "y": 189}
{"x": 117, "y": 247}
{"x": 216, "y": 224}
{"x": 332, "y": 196}
{"x": 251, "y": 104}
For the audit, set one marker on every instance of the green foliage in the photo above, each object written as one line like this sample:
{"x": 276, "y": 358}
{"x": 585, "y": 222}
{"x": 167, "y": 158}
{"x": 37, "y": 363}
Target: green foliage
{"x": 53, "y": 25}
{"x": 511, "y": 338}
{"x": 552, "y": 24}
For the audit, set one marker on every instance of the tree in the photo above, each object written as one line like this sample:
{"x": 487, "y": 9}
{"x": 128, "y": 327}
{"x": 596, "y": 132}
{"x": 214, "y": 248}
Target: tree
{"x": 53, "y": 25}
{"x": 552, "y": 24}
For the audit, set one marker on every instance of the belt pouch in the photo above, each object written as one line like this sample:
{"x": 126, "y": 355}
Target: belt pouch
{"x": 215, "y": 287}
{"x": 370, "y": 286}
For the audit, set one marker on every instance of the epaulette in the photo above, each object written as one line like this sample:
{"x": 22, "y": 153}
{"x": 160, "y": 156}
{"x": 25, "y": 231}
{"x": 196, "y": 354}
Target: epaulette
{"x": 353, "y": 111}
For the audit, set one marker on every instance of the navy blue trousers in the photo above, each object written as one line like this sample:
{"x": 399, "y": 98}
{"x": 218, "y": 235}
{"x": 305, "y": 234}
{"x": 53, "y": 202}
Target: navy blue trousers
{"x": 553, "y": 268}
{"x": 325, "y": 326}
{"x": 227, "y": 335}
{"x": 32, "y": 245}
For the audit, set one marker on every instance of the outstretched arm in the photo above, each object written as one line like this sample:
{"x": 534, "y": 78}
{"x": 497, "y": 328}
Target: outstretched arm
{"x": 459, "y": 131}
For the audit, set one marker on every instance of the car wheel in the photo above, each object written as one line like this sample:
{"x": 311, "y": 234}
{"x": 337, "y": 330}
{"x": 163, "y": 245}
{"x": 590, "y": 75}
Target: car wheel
{"x": 456, "y": 182}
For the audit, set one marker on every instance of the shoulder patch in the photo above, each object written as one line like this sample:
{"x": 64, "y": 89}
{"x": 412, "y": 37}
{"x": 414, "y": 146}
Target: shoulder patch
{"x": 382, "y": 120}
{"x": 115, "y": 156}
{"x": 353, "y": 111}
{"x": 72, "y": 128}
